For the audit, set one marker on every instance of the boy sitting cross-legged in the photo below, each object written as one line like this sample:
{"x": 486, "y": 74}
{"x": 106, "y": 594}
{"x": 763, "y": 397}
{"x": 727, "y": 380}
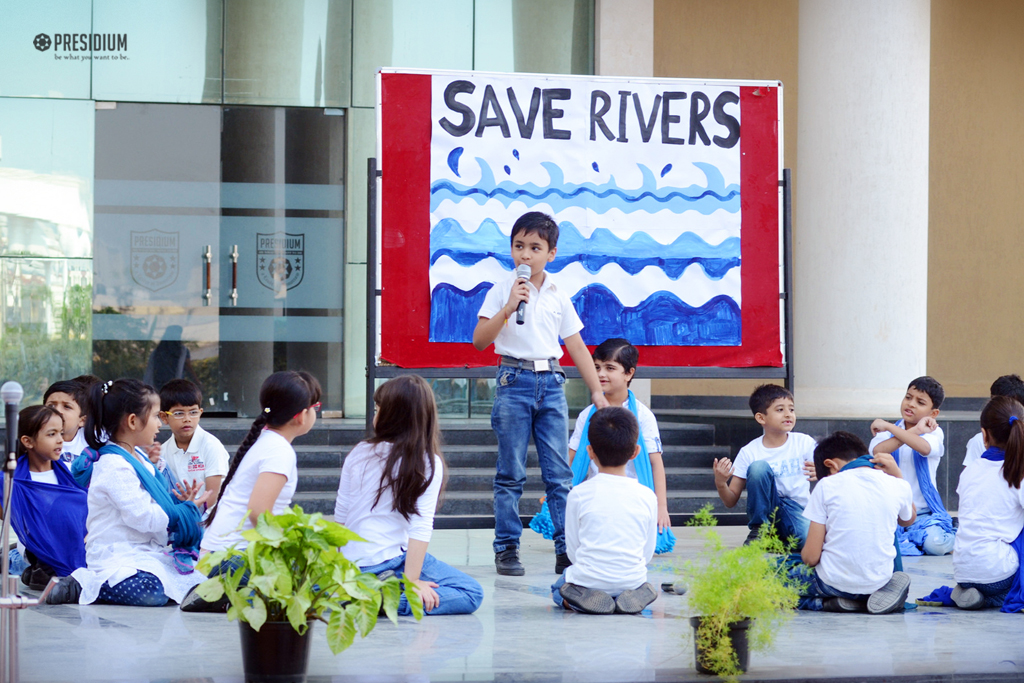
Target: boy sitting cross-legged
{"x": 853, "y": 513}
{"x": 773, "y": 468}
{"x": 611, "y": 525}
{"x": 915, "y": 444}
{"x": 192, "y": 454}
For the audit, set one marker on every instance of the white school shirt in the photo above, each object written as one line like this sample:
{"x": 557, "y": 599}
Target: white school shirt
{"x": 787, "y": 463}
{"x": 387, "y": 532}
{"x": 858, "y": 508}
{"x": 611, "y": 526}
{"x": 904, "y": 456}
{"x": 47, "y": 477}
{"x": 270, "y": 453}
{"x": 975, "y": 447}
{"x": 549, "y": 315}
{"x": 991, "y": 517}
{"x": 204, "y": 457}
{"x": 648, "y": 425}
{"x": 72, "y": 449}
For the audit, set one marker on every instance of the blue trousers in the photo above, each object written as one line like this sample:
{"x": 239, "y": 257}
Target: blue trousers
{"x": 529, "y": 403}
{"x": 815, "y": 591}
{"x": 995, "y": 593}
{"x": 459, "y": 593}
{"x": 142, "y": 589}
{"x": 937, "y": 541}
{"x": 763, "y": 500}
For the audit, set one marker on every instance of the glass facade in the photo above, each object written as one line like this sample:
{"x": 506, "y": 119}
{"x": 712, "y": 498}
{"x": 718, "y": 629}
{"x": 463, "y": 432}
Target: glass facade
{"x": 182, "y": 184}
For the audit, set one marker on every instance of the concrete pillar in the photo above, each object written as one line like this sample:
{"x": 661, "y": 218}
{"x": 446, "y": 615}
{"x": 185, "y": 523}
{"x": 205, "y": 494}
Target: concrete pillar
{"x": 861, "y": 252}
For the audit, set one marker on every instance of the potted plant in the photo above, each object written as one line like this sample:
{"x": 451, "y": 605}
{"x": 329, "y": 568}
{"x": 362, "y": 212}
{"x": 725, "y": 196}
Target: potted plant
{"x": 740, "y": 596}
{"x": 295, "y": 575}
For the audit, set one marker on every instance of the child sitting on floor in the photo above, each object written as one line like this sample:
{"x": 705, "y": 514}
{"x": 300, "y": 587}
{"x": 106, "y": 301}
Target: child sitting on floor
{"x": 1007, "y": 385}
{"x": 69, "y": 398}
{"x": 915, "y": 443}
{"x": 853, "y": 513}
{"x": 611, "y": 524}
{"x": 773, "y": 468}
{"x": 192, "y": 454}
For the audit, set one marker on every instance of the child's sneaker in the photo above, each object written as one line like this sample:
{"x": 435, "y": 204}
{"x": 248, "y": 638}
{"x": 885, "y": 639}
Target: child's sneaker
{"x": 843, "y": 605}
{"x": 507, "y": 563}
{"x": 562, "y": 562}
{"x": 587, "y": 600}
{"x": 634, "y": 601}
{"x": 890, "y": 597}
{"x": 968, "y": 598}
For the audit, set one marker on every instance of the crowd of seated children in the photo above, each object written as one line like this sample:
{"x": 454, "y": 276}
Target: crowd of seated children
{"x": 773, "y": 468}
{"x": 853, "y": 512}
{"x": 916, "y": 444}
{"x": 611, "y": 525}
{"x": 192, "y": 454}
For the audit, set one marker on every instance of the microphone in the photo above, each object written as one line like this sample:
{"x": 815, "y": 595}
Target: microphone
{"x": 523, "y": 272}
{"x": 11, "y": 393}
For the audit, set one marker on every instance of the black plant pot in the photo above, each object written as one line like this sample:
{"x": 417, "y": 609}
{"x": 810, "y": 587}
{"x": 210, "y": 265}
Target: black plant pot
{"x": 276, "y": 653}
{"x": 738, "y": 636}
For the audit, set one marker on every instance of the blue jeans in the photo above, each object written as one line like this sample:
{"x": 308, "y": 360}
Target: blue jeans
{"x": 995, "y": 593}
{"x": 763, "y": 500}
{"x": 16, "y": 564}
{"x": 814, "y": 591}
{"x": 937, "y": 541}
{"x": 458, "y": 592}
{"x": 525, "y": 403}
{"x": 141, "y": 589}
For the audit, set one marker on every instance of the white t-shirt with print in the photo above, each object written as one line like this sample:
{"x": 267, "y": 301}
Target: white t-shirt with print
{"x": 72, "y": 449}
{"x": 975, "y": 447}
{"x": 270, "y": 453}
{"x": 991, "y": 517}
{"x": 648, "y": 427}
{"x": 858, "y": 508}
{"x": 549, "y": 315}
{"x": 205, "y": 457}
{"x": 904, "y": 456}
{"x": 787, "y": 463}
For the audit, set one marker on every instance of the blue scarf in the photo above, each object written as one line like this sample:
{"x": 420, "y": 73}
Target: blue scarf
{"x": 1014, "y": 601}
{"x": 865, "y": 461}
{"x": 184, "y": 531}
{"x": 912, "y": 537}
{"x": 581, "y": 467}
{"x": 50, "y": 518}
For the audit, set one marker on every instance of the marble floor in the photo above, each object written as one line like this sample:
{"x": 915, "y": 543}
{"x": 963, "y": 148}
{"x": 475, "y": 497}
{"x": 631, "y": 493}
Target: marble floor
{"x": 518, "y": 635}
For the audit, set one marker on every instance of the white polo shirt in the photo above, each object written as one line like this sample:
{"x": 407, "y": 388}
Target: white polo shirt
{"x": 975, "y": 447}
{"x": 549, "y": 315}
{"x": 904, "y": 457}
{"x": 205, "y": 457}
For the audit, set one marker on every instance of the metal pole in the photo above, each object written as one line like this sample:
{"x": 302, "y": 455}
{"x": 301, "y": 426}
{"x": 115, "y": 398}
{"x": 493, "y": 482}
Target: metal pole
{"x": 787, "y": 263}
{"x": 8, "y": 623}
{"x": 371, "y": 287}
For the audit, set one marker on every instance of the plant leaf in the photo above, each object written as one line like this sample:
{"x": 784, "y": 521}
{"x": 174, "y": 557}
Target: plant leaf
{"x": 391, "y": 593}
{"x": 255, "y": 614}
{"x": 341, "y": 631}
{"x": 297, "y": 606}
{"x": 412, "y": 596}
{"x": 211, "y": 590}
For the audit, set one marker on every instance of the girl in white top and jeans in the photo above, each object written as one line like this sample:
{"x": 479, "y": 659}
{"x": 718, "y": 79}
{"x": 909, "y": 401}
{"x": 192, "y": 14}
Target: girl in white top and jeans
{"x": 388, "y": 494}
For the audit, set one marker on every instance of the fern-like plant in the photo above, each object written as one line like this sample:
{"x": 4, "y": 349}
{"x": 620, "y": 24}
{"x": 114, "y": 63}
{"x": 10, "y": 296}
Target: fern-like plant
{"x": 296, "y": 574}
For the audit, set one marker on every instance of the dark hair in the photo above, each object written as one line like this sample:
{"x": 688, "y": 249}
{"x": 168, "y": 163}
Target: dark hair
{"x": 87, "y": 380}
{"x": 765, "y": 395}
{"x": 618, "y": 350}
{"x": 179, "y": 392}
{"x": 930, "y": 386}
{"x": 837, "y": 446}
{"x": 1009, "y": 385}
{"x": 72, "y": 388}
{"x": 283, "y": 395}
{"x": 1003, "y": 419}
{"x": 31, "y": 420}
{"x": 613, "y": 435}
{"x": 110, "y": 402}
{"x": 540, "y": 223}
{"x": 407, "y": 419}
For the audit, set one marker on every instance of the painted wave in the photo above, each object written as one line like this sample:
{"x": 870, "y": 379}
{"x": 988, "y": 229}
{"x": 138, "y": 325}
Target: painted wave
{"x": 661, "y": 319}
{"x": 639, "y": 251}
{"x": 559, "y": 194}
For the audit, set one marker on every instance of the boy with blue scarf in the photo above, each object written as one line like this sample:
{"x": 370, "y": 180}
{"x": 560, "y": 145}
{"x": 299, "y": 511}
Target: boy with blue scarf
{"x": 916, "y": 445}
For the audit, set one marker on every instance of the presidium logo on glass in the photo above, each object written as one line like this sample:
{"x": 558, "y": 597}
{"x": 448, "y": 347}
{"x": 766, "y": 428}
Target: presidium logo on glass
{"x": 42, "y": 42}
{"x": 280, "y": 259}
{"x": 154, "y": 258}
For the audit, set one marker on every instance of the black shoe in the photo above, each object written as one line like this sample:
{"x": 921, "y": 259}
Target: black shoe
{"x": 37, "y": 576}
{"x": 755, "y": 531}
{"x": 587, "y": 600}
{"x": 507, "y": 562}
{"x": 192, "y": 602}
{"x": 561, "y": 562}
{"x": 67, "y": 591}
{"x": 634, "y": 601}
{"x": 843, "y": 605}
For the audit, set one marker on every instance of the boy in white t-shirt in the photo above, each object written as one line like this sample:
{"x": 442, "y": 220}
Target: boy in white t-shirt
{"x": 853, "y": 513}
{"x": 916, "y": 444}
{"x": 774, "y": 468}
{"x": 1007, "y": 385}
{"x": 192, "y": 453}
{"x": 529, "y": 398}
{"x": 611, "y": 526}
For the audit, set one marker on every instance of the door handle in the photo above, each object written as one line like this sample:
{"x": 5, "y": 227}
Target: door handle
{"x": 208, "y": 257}
{"x": 234, "y": 274}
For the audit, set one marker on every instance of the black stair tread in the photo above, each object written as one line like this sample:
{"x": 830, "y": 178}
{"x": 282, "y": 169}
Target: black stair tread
{"x": 486, "y": 495}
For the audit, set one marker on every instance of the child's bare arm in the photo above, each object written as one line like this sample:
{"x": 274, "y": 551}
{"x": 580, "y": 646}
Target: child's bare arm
{"x": 911, "y": 437}
{"x": 811, "y": 554}
{"x": 887, "y": 463}
{"x": 660, "y": 490}
{"x": 729, "y": 487}
{"x": 585, "y": 364}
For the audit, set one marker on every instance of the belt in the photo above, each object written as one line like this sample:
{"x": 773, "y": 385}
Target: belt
{"x": 550, "y": 365}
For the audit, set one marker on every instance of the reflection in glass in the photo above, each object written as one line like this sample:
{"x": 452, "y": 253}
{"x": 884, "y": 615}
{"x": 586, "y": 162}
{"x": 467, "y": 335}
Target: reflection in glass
{"x": 535, "y": 36}
{"x": 287, "y": 52}
{"x": 173, "y": 55}
{"x": 33, "y": 64}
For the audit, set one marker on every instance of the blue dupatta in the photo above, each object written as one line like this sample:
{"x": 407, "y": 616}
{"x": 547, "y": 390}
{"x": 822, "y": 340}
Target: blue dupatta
{"x": 911, "y": 538}
{"x": 541, "y": 522}
{"x": 50, "y": 518}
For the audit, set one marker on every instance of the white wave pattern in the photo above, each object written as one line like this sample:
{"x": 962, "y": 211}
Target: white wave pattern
{"x": 693, "y": 287}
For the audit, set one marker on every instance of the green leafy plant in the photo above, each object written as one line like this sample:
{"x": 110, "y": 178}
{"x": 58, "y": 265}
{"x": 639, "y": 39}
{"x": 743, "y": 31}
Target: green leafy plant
{"x": 729, "y": 585}
{"x": 296, "y": 574}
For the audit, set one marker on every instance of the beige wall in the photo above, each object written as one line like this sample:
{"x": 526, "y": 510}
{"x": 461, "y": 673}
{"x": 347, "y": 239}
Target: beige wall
{"x": 728, "y": 39}
{"x": 976, "y": 201}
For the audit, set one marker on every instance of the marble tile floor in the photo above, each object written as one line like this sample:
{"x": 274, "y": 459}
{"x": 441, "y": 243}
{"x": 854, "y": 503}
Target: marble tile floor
{"x": 518, "y": 635}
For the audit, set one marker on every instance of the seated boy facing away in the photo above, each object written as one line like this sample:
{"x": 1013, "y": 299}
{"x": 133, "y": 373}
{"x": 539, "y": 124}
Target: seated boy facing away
{"x": 915, "y": 444}
{"x": 1007, "y": 385}
{"x": 611, "y": 523}
{"x": 853, "y": 512}
{"x": 192, "y": 453}
{"x": 773, "y": 468}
